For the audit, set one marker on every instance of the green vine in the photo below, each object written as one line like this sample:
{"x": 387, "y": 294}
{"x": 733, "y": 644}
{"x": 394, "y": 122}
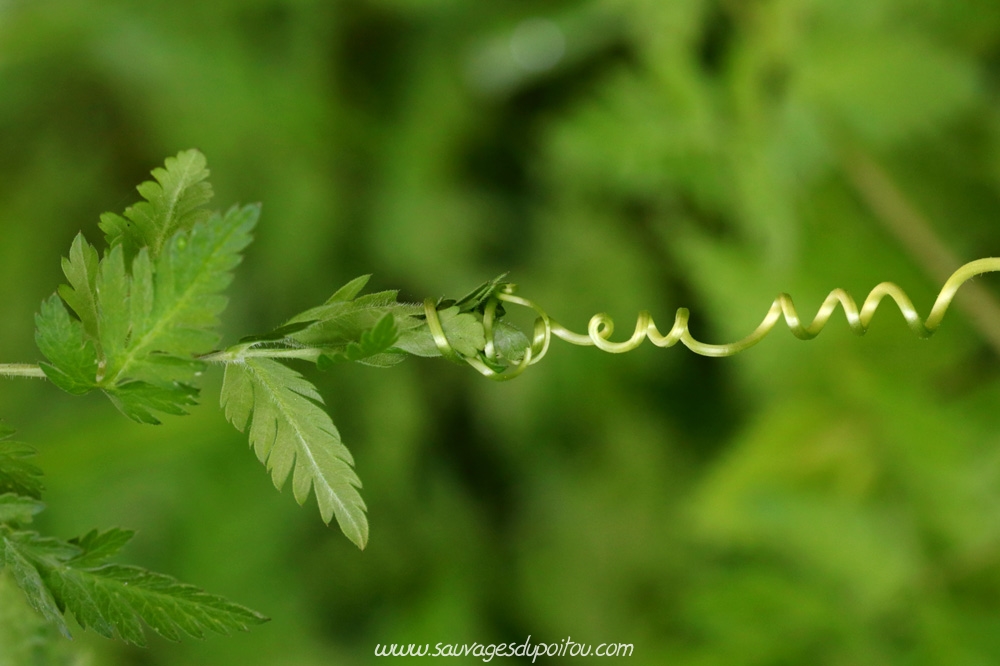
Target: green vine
{"x": 601, "y": 326}
{"x": 138, "y": 321}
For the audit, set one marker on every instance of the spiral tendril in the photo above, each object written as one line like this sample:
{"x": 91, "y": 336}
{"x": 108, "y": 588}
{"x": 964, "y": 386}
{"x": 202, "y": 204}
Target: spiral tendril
{"x": 601, "y": 326}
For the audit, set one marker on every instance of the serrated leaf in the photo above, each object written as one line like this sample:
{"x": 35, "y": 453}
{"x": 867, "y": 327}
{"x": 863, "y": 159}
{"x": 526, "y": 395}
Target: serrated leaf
{"x": 374, "y": 342}
{"x": 172, "y": 203}
{"x": 17, "y": 475}
{"x": 113, "y": 598}
{"x": 177, "y": 305}
{"x": 113, "y": 305}
{"x": 40, "y": 548}
{"x": 170, "y": 313}
{"x": 18, "y": 509}
{"x": 333, "y": 332}
{"x": 138, "y": 400}
{"x": 14, "y": 550}
{"x": 59, "y": 577}
{"x": 342, "y": 321}
{"x": 73, "y": 363}
{"x": 97, "y": 547}
{"x": 81, "y": 268}
{"x": 291, "y": 434}
{"x": 151, "y": 305}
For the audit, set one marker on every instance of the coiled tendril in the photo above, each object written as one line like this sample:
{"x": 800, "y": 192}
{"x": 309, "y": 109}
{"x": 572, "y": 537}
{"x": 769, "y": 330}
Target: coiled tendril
{"x": 601, "y": 326}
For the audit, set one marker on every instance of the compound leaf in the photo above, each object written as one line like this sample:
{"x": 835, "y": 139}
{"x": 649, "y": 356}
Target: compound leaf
{"x": 177, "y": 305}
{"x": 113, "y": 598}
{"x": 173, "y": 202}
{"x": 150, "y": 306}
{"x": 170, "y": 313}
{"x": 345, "y": 328}
{"x": 376, "y": 330}
{"x": 59, "y": 577}
{"x": 340, "y": 322}
{"x": 291, "y": 434}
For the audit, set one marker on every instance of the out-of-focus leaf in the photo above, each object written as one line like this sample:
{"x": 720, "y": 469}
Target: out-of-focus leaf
{"x": 17, "y": 475}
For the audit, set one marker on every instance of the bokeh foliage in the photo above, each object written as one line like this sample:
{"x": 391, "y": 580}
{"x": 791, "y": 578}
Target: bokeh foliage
{"x": 830, "y": 502}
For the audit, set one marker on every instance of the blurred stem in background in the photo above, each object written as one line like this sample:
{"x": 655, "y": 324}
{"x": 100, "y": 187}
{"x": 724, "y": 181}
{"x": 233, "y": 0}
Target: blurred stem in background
{"x": 900, "y": 218}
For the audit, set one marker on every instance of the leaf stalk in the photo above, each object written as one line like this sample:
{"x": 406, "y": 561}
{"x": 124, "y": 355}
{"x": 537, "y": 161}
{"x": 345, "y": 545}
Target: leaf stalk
{"x": 21, "y": 370}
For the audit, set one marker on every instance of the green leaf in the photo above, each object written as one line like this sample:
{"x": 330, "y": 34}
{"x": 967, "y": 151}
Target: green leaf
{"x": 279, "y": 334}
{"x": 289, "y": 431}
{"x": 17, "y": 475}
{"x": 478, "y": 296}
{"x": 14, "y": 550}
{"x": 510, "y": 341}
{"x": 464, "y": 331}
{"x": 113, "y": 598}
{"x": 17, "y": 509}
{"x": 97, "y": 547}
{"x": 113, "y": 304}
{"x": 338, "y": 322}
{"x": 58, "y": 577}
{"x": 150, "y": 307}
{"x": 175, "y": 308}
{"x": 170, "y": 314}
{"x": 73, "y": 363}
{"x": 138, "y": 400}
{"x": 81, "y": 268}
{"x": 342, "y": 329}
{"x": 373, "y": 342}
{"x": 350, "y": 290}
{"x": 118, "y": 596}
{"x": 173, "y": 202}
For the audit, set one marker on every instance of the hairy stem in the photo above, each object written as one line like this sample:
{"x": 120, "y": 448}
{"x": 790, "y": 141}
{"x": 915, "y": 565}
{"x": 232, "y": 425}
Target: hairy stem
{"x": 240, "y": 353}
{"x": 21, "y": 370}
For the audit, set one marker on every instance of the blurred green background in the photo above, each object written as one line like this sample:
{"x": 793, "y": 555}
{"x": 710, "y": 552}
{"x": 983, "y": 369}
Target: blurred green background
{"x": 833, "y": 502}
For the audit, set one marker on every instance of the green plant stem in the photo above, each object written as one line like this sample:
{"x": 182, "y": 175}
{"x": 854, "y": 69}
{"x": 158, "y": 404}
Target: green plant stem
{"x": 240, "y": 353}
{"x": 601, "y": 326}
{"x": 21, "y": 370}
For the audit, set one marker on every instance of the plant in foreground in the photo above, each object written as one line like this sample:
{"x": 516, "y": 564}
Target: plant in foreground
{"x": 138, "y": 321}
